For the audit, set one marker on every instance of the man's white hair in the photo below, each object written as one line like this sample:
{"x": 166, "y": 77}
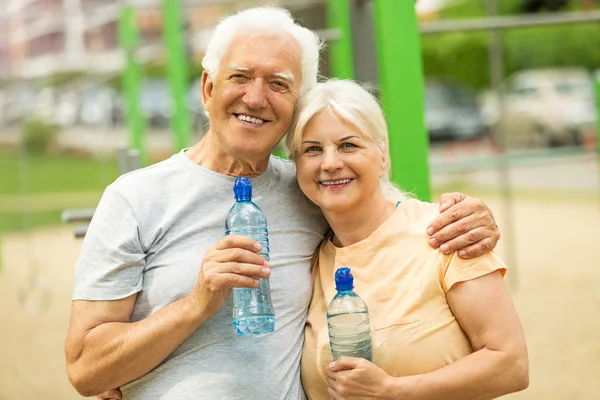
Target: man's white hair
{"x": 264, "y": 20}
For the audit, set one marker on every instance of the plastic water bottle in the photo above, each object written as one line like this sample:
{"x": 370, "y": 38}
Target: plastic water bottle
{"x": 252, "y": 307}
{"x": 348, "y": 320}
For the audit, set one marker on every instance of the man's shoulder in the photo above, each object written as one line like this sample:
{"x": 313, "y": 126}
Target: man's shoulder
{"x": 147, "y": 176}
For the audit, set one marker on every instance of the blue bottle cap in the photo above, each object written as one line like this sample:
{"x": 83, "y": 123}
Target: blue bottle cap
{"x": 242, "y": 189}
{"x": 344, "y": 279}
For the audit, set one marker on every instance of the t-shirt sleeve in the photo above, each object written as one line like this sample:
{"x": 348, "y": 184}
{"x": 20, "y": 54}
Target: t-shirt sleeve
{"x": 458, "y": 270}
{"x": 111, "y": 262}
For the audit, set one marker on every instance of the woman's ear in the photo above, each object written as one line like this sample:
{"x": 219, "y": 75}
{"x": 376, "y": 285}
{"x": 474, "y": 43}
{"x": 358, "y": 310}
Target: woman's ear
{"x": 384, "y": 162}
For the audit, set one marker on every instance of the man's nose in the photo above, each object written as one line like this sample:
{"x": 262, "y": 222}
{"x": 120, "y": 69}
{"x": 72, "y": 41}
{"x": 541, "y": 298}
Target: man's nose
{"x": 256, "y": 94}
{"x": 331, "y": 160}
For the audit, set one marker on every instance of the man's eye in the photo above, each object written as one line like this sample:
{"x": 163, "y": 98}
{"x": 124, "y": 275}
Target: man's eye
{"x": 280, "y": 85}
{"x": 238, "y": 77}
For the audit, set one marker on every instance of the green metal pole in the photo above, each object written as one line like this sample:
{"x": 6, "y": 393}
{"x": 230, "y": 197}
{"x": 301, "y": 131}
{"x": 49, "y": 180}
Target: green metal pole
{"x": 598, "y": 113}
{"x": 401, "y": 85}
{"x": 177, "y": 71}
{"x": 341, "y": 59}
{"x": 129, "y": 39}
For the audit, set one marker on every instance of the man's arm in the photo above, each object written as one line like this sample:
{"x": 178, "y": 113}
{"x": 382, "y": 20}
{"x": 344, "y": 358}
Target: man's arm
{"x": 465, "y": 224}
{"x": 104, "y": 350}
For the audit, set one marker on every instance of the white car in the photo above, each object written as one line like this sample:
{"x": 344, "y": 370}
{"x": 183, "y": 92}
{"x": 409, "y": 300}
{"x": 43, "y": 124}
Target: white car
{"x": 546, "y": 107}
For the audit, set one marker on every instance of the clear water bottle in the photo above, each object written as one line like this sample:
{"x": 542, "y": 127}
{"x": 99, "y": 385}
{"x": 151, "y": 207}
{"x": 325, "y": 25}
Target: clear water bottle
{"x": 348, "y": 320}
{"x": 252, "y": 308}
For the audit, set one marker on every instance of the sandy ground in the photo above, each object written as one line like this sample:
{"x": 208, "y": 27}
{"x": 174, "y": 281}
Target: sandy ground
{"x": 555, "y": 283}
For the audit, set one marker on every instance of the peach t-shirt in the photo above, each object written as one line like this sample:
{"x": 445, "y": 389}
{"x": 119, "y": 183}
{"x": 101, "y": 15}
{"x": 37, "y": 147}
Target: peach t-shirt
{"x": 404, "y": 283}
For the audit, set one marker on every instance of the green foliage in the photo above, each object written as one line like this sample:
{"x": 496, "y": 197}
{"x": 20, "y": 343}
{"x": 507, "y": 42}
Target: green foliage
{"x": 464, "y": 56}
{"x": 55, "y": 173}
{"x": 38, "y": 135}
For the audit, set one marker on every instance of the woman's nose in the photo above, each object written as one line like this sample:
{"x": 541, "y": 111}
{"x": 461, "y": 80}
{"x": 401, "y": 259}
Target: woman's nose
{"x": 331, "y": 160}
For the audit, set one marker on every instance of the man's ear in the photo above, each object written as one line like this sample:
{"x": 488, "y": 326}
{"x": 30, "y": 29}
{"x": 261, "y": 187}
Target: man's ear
{"x": 206, "y": 86}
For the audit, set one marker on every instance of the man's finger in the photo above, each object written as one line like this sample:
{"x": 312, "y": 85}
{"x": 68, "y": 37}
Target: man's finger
{"x": 477, "y": 249}
{"x": 447, "y": 200}
{"x": 239, "y": 241}
{"x": 455, "y": 230}
{"x": 477, "y": 235}
{"x": 240, "y": 256}
{"x": 251, "y": 270}
{"x": 444, "y": 222}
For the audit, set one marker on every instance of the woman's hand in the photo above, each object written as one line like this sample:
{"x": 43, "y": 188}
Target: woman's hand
{"x": 465, "y": 224}
{"x": 352, "y": 378}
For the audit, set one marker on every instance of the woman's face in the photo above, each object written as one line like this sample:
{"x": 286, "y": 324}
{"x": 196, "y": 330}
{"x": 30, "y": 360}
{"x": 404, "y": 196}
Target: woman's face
{"x": 338, "y": 169}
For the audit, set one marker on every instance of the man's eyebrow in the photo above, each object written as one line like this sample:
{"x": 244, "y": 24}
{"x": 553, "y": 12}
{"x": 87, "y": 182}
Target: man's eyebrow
{"x": 284, "y": 75}
{"x": 239, "y": 67}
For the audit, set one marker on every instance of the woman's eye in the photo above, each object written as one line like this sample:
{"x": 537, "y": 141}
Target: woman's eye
{"x": 312, "y": 149}
{"x": 348, "y": 146}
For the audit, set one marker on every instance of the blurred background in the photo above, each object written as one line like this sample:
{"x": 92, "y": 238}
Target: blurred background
{"x": 507, "y": 95}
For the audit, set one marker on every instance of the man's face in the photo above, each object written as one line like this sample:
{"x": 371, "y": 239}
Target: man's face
{"x": 251, "y": 102}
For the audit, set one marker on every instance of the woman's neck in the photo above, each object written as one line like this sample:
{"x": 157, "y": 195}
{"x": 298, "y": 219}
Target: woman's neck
{"x": 355, "y": 225}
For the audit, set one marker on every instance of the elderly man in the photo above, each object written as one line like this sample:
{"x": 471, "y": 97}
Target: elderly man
{"x": 151, "y": 309}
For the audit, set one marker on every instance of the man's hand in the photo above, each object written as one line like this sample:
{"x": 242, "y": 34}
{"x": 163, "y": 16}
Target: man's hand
{"x": 114, "y": 394}
{"x": 352, "y": 378}
{"x": 232, "y": 262}
{"x": 464, "y": 224}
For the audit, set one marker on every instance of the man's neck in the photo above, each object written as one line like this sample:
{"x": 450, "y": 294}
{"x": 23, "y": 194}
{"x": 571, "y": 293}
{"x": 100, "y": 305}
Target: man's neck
{"x": 208, "y": 154}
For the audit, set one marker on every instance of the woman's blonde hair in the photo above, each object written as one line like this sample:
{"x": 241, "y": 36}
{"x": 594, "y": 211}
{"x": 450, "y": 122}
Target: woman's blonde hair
{"x": 355, "y": 105}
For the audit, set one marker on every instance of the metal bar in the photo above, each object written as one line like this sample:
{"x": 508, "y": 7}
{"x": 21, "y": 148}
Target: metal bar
{"x": 496, "y": 68}
{"x": 597, "y": 76}
{"x": 128, "y": 38}
{"x": 177, "y": 71}
{"x": 78, "y": 215}
{"x": 341, "y": 58}
{"x": 402, "y": 93}
{"x": 525, "y": 21}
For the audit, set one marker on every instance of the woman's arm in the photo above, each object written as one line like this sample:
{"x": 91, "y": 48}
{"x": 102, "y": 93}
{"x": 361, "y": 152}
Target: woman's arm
{"x": 498, "y": 365}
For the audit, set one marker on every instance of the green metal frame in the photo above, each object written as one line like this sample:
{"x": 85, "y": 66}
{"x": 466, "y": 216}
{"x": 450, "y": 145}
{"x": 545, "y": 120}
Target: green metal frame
{"x": 341, "y": 58}
{"x": 177, "y": 71}
{"x": 401, "y": 84}
{"x": 129, "y": 39}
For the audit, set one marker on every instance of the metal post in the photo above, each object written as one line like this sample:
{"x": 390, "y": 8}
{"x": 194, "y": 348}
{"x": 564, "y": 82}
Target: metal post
{"x": 401, "y": 85}
{"x": 128, "y": 37}
{"x": 340, "y": 50}
{"x": 177, "y": 71}
{"x": 597, "y": 75}
{"x": 496, "y": 68}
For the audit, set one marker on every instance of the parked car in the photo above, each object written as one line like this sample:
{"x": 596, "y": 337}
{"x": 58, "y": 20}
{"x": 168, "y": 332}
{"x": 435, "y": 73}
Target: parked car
{"x": 452, "y": 111}
{"x": 156, "y": 102}
{"x": 101, "y": 105}
{"x": 546, "y": 107}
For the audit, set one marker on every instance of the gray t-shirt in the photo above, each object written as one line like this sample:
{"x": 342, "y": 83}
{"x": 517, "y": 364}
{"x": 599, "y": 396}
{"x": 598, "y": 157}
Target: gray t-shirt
{"x": 149, "y": 235}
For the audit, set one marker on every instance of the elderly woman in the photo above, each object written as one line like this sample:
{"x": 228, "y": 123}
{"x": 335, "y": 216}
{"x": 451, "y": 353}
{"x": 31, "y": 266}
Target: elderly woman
{"x": 442, "y": 327}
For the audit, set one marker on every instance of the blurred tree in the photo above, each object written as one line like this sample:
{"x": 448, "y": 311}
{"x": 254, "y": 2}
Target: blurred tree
{"x": 464, "y": 56}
